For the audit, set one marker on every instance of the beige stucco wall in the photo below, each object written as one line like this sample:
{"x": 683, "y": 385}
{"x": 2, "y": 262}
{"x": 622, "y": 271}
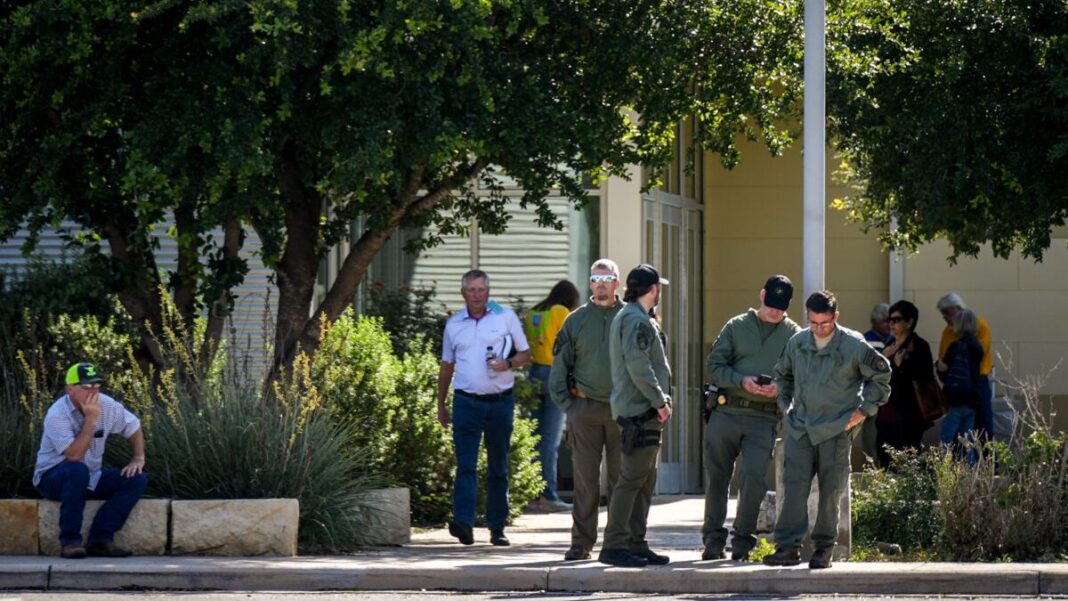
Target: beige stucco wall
{"x": 753, "y": 229}
{"x": 1022, "y": 300}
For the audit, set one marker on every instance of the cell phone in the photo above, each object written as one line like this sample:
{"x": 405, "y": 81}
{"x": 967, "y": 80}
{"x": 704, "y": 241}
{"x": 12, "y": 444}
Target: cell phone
{"x": 763, "y": 380}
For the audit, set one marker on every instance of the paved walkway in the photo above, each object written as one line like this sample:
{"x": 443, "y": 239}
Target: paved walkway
{"x": 434, "y": 560}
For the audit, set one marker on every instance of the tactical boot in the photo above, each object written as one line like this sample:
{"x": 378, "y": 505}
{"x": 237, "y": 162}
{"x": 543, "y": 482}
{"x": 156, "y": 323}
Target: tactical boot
{"x": 576, "y": 553}
{"x": 784, "y": 556}
{"x": 740, "y": 555}
{"x": 821, "y": 558}
{"x": 652, "y": 557}
{"x": 622, "y": 558}
{"x": 712, "y": 552}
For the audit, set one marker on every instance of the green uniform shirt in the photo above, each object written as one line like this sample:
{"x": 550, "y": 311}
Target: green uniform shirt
{"x": 819, "y": 389}
{"x": 747, "y": 346}
{"x": 581, "y": 349}
{"x": 641, "y": 377}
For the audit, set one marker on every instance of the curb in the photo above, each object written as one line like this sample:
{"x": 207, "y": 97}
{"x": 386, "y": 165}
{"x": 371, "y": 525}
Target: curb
{"x": 683, "y": 577}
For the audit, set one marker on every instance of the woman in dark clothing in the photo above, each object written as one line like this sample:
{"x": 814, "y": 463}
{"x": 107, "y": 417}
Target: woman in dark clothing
{"x": 960, "y": 379}
{"x": 900, "y": 423}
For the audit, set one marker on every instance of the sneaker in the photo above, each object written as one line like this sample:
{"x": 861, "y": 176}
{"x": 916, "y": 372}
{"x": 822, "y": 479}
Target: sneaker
{"x": 576, "y": 553}
{"x": 72, "y": 551}
{"x": 652, "y": 557}
{"x": 462, "y": 532}
{"x": 498, "y": 539}
{"x": 712, "y": 552}
{"x": 622, "y": 558}
{"x": 784, "y": 556}
{"x": 106, "y": 549}
{"x": 559, "y": 505}
{"x": 821, "y": 559}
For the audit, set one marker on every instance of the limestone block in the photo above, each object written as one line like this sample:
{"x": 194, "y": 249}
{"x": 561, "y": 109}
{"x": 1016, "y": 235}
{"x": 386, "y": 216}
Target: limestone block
{"x": 389, "y": 516}
{"x": 18, "y": 527}
{"x": 145, "y": 531}
{"x": 766, "y": 517}
{"x": 241, "y": 528}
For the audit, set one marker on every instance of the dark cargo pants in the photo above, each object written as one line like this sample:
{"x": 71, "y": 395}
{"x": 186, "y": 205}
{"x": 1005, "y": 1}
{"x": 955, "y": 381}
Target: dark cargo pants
{"x": 728, "y": 435}
{"x": 628, "y": 511}
{"x": 829, "y": 461}
{"x": 591, "y": 433}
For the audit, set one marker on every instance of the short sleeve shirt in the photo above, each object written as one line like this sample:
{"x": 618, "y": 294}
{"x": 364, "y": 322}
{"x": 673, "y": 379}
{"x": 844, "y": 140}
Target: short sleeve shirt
{"x": 63, "y": 423}
{"x": 467, "y": 341}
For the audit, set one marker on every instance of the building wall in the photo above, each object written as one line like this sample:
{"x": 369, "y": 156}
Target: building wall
{"x": 753, "y": 229}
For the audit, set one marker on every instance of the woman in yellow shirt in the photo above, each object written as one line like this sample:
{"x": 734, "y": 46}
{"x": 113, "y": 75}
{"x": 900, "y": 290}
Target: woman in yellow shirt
{"x": 542, "y": 324}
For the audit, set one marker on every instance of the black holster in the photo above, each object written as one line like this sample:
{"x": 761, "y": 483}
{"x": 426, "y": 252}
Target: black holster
{"x": 709, "y": 395}
{"x": 634, "y": 435}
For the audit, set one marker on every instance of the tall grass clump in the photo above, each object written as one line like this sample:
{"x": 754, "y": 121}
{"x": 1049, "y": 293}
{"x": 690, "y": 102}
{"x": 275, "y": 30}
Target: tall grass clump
{"x": 1011, "y": 504}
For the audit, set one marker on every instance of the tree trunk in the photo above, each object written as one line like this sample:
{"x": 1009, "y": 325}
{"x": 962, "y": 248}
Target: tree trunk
{"x": 139, "y": 294}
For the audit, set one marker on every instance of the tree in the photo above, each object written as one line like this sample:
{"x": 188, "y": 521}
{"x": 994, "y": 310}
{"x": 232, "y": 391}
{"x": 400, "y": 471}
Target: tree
{"x": 298, "y": 118}
{"x": 953, "y": 120}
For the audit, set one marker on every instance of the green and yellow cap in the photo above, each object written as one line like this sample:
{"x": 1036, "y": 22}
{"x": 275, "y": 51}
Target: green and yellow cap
{"x": 83, "y": 373}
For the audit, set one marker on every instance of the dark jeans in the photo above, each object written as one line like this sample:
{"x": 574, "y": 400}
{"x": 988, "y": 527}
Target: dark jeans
{"x": 471, "y": 419}
{"x": 550, "y": 420}
{"x": 68, "y": 482}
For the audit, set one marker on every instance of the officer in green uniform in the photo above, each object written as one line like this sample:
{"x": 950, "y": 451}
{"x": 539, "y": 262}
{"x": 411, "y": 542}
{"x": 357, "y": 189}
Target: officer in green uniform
{"x": 742, "y": 417}
{"x": 641, "y": 404}
{"x": 829, "y": 381}
{"x": 580, "y": 383}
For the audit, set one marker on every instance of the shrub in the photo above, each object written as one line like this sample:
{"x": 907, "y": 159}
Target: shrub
{"x": 897, "y": 505}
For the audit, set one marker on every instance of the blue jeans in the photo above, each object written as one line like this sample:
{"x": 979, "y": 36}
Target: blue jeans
{"x": 471, "y": 419}
{"x": 958, "y": 421}
{"x": 68, "y": 483}
{"x": 550, "y": 420}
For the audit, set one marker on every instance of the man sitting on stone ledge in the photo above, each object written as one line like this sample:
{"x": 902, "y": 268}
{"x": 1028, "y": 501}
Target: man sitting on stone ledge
{"x": 76, "y": 428}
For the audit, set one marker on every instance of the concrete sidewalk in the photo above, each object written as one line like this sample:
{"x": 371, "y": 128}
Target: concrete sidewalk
{"x": 434, "y": 560}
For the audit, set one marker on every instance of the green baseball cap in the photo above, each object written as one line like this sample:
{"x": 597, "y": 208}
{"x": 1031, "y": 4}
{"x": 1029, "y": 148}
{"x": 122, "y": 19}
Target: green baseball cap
{"x": 83, "y": 373}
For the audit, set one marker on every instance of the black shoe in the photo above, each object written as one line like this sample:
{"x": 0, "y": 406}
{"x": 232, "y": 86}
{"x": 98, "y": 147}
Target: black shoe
{"x": 72, "y": 551}
{"x": 653, "y": 558}
{"x": 821, "y": 558}
{"x": 462, "y": 532}
{"x": 740, "y": 555}
{"x": 622, "y": 558}
{"x": 106, "y": 549}
{"x": 498, "y": 539}
{"x": 784, "y": 556}
{"x": 712, "y": 552}
{"x": 576, "y": 553}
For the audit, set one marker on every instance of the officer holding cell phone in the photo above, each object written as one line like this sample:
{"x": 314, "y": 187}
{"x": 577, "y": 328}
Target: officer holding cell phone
{"x": 742, "y": 416}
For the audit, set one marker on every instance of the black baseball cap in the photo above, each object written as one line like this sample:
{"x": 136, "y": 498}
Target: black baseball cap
{"x": 644, "y": 276}
{"x": 83, "y": 373}
{"x": 778, "y": 291}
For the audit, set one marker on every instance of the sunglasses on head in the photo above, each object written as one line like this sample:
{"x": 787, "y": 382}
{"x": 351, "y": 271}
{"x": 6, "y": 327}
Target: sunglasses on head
{"x": 599, "y": 279}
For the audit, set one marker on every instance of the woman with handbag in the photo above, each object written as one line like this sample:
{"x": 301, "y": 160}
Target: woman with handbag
{"x": 909, "y": 413}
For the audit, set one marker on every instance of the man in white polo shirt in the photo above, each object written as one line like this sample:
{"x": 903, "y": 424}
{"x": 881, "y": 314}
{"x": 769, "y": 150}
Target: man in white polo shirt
{"x": 76, "y": 428}
{"x": 477, "y": 360}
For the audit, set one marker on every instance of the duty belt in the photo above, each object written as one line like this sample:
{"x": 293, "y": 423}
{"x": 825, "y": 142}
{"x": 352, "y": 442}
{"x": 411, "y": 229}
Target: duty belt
{"x": 735, "y": 401}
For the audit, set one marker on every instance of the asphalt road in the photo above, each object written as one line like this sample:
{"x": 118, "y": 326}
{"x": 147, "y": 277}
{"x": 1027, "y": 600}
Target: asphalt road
{"x": 447, "y": 596}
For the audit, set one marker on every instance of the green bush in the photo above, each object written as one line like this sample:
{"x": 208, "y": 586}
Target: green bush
{"x": 411, "y": 316}
{"x": 897, "y": 505}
